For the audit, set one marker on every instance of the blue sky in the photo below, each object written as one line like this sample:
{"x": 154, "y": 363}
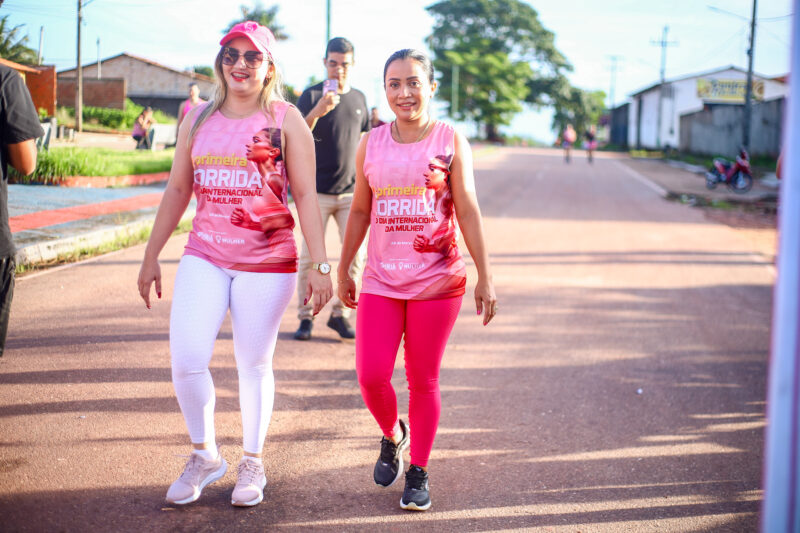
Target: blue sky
{"x": 182, "y": 33}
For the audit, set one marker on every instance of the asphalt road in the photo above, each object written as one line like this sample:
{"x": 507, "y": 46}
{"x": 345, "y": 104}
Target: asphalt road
{"x": 621, "y": 387}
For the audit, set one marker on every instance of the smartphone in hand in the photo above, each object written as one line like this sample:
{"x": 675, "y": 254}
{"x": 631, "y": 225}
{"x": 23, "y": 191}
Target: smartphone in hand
{"x": 330, "y": 86}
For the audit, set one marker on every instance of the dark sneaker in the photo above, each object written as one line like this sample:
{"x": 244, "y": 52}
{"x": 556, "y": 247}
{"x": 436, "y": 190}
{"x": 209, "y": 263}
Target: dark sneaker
{"x": 303, "y": 333}
{"x": 390, "y": 464}
{"x": 416, "y": 496}
{"x": 342, "y": 326}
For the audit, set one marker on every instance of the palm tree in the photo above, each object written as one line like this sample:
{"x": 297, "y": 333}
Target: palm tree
{"x": 12, "y": 46}
{"x": 264, "y": 16}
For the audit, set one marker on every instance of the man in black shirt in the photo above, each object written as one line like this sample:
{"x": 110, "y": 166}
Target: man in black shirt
{"x": 19, "y": 126}
{"x": 337, "y": 117}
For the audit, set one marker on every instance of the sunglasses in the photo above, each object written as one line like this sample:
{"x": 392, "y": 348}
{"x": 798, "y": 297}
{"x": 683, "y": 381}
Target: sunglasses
{"x": 252, "y": 59}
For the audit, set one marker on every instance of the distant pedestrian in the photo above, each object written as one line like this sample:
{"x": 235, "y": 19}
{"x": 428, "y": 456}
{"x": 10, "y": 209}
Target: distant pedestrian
{"x": 590, "y": 142}
{"x": 568, "y": 138}
{"x": 19, "y": 127}
{"x": 236, "y": 153}
{"x": 190, "y": 103}
{"x": 337, "y": 115}
{"x": 374, "y": 118}
{"x": 412, "y": 177}
{"x": 142, "y": 129}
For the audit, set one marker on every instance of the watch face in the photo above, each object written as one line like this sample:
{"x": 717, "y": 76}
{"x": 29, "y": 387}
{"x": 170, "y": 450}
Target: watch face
{"x": 324, "y": 268}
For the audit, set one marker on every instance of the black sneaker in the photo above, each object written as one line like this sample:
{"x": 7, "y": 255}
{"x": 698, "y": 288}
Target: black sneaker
{"x": 303, "y": 333}
{"x": 416, "y": 496}
{"x": 390, "y": 464}
{"x": 342, "y": 326}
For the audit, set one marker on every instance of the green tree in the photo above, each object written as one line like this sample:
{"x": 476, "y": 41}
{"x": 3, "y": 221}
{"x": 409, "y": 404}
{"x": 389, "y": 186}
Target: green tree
{"x": 491, "y": 87}
{"x": 577, "y": 107}
{"x": 12, "y": 44}
{"x": 500, "y": 47}
{"x": 204, "y": 69}
{"x": 265, "y": 16}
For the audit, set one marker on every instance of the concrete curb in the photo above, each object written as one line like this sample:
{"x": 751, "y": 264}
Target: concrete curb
{"x": 697, "y": 169}
{"x": 48, "y": 251}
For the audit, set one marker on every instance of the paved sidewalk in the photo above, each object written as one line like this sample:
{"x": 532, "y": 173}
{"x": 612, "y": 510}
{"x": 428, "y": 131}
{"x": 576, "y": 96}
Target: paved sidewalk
{"x": 677, "y": 181}
{"x": 50, "y": 221}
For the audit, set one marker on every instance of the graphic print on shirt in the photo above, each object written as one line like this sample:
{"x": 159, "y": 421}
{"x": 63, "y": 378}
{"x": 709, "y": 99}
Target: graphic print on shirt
{"x": 412, "y": 251}
{"x": 443, "y": 239}
{"x": 417, "y": 209}
{"x": 259, "y": 196}
{"x": 421, "y": 218}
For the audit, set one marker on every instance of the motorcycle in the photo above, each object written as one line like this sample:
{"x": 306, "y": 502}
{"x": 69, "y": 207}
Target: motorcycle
{"x": 735, "y": 175}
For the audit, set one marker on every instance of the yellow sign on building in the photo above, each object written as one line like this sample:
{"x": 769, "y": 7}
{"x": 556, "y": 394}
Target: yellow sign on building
{"x": 727, "y": 91}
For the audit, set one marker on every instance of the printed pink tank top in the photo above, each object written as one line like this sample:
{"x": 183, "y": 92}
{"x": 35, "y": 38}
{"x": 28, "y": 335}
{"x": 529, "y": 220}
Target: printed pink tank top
{"x": 242, "y": 220}
{"x": 412, "y": 252}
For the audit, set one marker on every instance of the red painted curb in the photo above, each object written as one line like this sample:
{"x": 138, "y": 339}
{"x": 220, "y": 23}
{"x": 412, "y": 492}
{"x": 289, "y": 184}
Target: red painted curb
{"x": 41, "y": 219}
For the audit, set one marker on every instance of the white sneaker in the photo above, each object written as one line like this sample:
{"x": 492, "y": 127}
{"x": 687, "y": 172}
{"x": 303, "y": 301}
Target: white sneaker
{"x": 197, "y": 473}
{"x": 250, "y": 483}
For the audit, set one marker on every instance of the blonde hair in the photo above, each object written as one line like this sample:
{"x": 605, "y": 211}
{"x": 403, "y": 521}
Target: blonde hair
{"x": 271, "y": 92}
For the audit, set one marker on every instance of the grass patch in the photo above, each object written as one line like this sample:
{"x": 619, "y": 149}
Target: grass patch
{"x": 722, "y": 204}
{"x": 57, "y": 163}
{"x": 80, "y": 254}
{"x": 104, "y": 119}
{"x": 647, "y": 154}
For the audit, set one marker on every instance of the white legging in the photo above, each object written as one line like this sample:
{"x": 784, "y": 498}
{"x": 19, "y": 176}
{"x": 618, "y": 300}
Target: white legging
{"x": 202, "y": 296}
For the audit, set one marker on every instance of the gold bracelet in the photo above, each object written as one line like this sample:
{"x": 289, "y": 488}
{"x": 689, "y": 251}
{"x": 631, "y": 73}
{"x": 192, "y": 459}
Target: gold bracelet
{"x": 344, "y": 280}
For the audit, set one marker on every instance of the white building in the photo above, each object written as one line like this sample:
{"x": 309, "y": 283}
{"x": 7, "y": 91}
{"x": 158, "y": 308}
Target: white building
{"x": 687, "y": 95}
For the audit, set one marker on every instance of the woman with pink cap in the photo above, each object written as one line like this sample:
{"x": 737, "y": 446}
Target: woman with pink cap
{"x": 250, "y": 269}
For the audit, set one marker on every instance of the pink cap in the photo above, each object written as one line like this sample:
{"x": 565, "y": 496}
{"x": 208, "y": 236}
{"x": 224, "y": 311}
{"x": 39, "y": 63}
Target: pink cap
{"x": 257, "y": 34}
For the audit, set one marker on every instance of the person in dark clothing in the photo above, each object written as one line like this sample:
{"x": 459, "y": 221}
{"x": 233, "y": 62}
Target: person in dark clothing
{"x": 19, "y": 127}
{"x": 337, "y": 115}
{"x": 590, "y": 144}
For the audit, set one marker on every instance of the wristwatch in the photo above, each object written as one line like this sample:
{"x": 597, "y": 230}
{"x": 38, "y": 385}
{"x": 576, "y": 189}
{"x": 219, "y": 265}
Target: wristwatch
{"x": 322, "y": 268}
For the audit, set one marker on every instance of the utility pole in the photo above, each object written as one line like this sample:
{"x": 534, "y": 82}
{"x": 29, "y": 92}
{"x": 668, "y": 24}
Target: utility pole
{"x": 328, "y": 22}
{"x": 99, "y": 65}
{"x": 748, "y": 90}
{"x": 614, "y": 60}
{"x": 41, "y": 38}
{"x": 779, "y": 511}
{"x": 454, "y": 91}
{"x": 79, "y": 71}
{"x": 663, "y": 43}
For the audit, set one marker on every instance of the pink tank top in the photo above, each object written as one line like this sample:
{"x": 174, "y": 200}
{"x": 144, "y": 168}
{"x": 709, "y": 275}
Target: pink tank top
{"x": 242, "y": 220}
{"x": 412, "y": 252}
{"x": 187, "y": 106}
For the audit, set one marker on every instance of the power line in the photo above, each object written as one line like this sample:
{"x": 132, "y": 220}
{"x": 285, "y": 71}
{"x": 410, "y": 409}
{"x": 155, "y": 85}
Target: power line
{"x": 715, "y": 51}
{"x": 773, "y": 19}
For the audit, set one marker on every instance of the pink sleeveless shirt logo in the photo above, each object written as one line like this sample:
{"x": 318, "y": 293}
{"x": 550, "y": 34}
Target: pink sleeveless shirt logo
{"x": 242, "y": 220}
{"x": 412, "y": 252}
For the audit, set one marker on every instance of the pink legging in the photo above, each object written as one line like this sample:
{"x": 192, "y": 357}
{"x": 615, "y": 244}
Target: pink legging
{"x": 426, "y": 325}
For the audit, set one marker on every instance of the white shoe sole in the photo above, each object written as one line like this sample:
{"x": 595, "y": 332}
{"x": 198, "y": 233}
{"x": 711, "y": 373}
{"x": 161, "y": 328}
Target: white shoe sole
{"x": 254, "y": 501}
{"x": 210, "y": 479}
